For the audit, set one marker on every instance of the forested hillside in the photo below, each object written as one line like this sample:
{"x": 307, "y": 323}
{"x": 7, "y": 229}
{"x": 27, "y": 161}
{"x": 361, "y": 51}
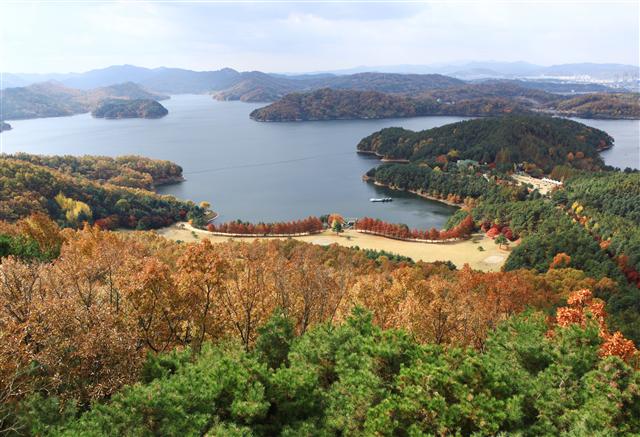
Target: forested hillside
{"x": 70, "y": 196}
{"x": 591, "y": 224}
{"x": 563, "y": 233}
{"x": 435, "y": 183}
{"x": 489, "y": 98}
{"x": 329, "y": 104}
{"x": 601, "y": 106}
{"x": 256, "y": 86}
{"x": 608, "y": 205}
{"x": 543, "y": 141}
{"x": 125, "y": 171}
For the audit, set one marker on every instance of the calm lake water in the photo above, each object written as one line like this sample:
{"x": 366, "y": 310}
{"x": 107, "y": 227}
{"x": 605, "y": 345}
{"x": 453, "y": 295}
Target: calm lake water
{"x": 262, "y": 171}
{"x": 626, "y": 133}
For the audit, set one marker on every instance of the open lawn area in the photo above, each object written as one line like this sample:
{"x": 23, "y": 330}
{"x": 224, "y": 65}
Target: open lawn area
{"x": 490, "y": 259}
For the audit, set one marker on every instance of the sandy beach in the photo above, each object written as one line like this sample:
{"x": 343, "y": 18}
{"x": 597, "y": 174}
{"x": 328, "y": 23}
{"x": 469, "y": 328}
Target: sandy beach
{"x": 465, "y": 252}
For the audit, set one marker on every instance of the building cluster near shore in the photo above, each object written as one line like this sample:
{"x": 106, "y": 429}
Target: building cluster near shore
{"x": 544, "y": 185}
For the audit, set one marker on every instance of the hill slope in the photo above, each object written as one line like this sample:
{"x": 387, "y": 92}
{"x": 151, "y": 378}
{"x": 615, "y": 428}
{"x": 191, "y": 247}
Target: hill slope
{"x": 331, "y": 104}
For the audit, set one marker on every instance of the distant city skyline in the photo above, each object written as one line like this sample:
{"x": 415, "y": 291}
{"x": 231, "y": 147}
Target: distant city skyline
{"x": 279, "y": 37}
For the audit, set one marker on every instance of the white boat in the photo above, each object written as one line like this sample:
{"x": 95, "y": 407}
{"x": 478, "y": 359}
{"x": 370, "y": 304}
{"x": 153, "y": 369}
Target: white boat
{"x": 382, "y": 199}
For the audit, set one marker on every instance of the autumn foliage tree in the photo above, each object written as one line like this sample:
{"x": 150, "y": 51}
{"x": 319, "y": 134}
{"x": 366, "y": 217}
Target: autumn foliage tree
{"x": 308, "y": 225}
{"x": 400, "y": 231}
{"x": 582, "y": 307}
{"x": 560, "y": 260}
{"x": 445, "y": 307}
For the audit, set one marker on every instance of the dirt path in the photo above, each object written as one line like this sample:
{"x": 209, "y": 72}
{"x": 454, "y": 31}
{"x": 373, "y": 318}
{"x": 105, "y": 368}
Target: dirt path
{"x": 490, "y": 259}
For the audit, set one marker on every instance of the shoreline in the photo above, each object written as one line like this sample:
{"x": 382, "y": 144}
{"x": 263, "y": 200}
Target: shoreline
{"x": 382, "y": 157}
{"x": 371, "y": 180}
{"x": 168, "y": 181}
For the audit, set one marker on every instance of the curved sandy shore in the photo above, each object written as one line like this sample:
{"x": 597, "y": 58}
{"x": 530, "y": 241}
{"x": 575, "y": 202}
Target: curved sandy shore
{"x": 459, "y": 253}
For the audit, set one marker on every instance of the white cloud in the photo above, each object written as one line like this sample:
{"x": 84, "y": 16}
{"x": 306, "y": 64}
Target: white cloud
{"x": 311, "y": 36}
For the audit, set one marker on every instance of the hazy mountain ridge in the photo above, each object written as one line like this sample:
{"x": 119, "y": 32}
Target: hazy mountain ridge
{"x": 519, "y": 69}
{"x": 233, "y": 84}
{"x": 261, "y": 87}
{"x": 70, "y": 94}
{"x": 555, "y": 87}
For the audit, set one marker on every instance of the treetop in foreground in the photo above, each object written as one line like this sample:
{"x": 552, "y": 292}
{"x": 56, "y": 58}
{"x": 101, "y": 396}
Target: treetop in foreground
{"x": 359, "y": 380}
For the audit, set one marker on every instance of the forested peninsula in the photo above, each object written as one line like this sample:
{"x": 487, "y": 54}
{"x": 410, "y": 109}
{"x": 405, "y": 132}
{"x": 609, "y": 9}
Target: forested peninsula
{"x": 109, "y": 192}
{"x": 541, "y": 141}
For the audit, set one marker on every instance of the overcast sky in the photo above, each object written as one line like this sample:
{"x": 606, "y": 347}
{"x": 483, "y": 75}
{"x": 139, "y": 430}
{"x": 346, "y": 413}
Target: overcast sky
{"x": 311, "y": 36}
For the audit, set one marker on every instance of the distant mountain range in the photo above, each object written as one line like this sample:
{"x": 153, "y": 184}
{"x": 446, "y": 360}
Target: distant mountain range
{"x": 259, "y": 86}
{"x": 228, "y": 84}
{"x": 173, "y": 80}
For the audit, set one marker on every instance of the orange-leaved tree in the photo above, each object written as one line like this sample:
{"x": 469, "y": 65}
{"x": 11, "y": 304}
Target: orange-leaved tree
{"x": 581, "y": 307}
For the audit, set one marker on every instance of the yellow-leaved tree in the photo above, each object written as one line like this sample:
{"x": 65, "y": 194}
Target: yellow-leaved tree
{"x": 75, "y": 211}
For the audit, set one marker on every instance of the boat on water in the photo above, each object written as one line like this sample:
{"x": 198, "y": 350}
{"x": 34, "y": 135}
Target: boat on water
{"x": 381, "y": 199}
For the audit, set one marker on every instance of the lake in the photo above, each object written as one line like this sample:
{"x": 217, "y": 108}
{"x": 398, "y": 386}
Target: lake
{"x": 263, "y": 171}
